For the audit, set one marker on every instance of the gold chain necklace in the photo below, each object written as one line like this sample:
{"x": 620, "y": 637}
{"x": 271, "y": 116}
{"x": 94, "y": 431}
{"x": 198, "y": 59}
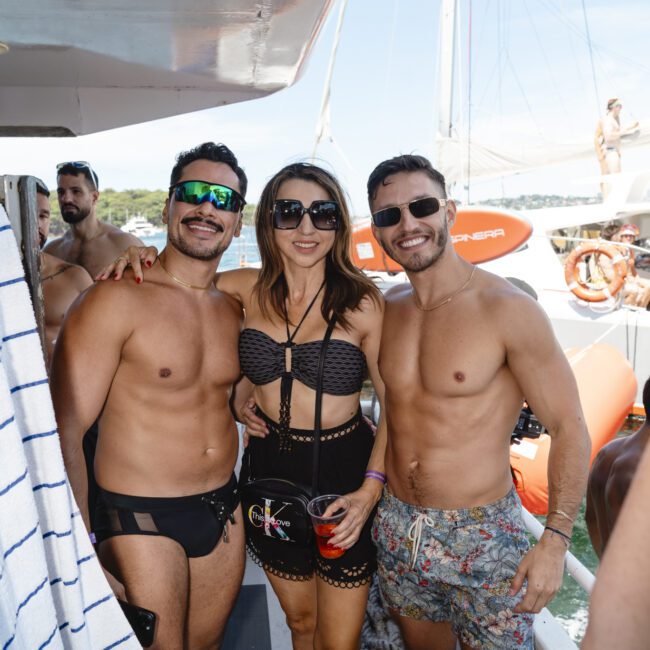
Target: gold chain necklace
{"x": 448, "y": 299}
{"x": 182, "y": 282}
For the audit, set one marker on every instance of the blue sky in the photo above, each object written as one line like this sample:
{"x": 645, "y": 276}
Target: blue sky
{"x": 531, "y": 75}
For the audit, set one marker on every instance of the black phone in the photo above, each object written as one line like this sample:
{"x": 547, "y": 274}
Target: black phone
{"x": 143, "y": 622}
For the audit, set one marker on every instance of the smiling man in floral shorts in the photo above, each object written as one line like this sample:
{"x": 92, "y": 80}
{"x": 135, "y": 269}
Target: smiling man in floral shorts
{"x": 460, "y": 571}
{"x": 460, "y": 348}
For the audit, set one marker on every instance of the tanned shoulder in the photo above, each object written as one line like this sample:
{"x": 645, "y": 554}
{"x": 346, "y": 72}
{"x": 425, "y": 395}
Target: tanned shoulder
{"x": 53, "y": 246}
{"x": 604, "y": 460}
{"x": 80, "y": 277}
{"x": 119, "y": 237}
{"x": 237, "y": 283}
{"x": 398, "y": 292}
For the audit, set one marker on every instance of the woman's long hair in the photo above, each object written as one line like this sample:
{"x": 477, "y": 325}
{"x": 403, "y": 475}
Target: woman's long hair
{"x": 346, "y": 285}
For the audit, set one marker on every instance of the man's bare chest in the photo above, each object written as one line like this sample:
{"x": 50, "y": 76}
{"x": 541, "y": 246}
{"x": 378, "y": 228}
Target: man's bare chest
{"x": 182, "y": 347}
{"x": 445, "y": 357}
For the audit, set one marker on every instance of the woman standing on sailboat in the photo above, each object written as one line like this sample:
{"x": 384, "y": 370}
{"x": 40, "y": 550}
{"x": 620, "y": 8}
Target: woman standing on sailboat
{"x": 303, "y": 232}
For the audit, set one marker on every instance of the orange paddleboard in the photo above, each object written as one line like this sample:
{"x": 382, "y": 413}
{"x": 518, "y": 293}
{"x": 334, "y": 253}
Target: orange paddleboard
{"x": 607, "y": 388}
{"x": 479, "y": 235}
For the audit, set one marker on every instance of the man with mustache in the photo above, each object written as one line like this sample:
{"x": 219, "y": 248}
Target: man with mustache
{"x": 89, "y": 242}
{"x": 156, "y": 363}
{"x": 460, "y": 350}
{"x": 61, "y": 282}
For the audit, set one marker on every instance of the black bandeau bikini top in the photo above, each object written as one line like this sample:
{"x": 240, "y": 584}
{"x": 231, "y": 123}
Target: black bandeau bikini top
{"x": 262, "y": 360}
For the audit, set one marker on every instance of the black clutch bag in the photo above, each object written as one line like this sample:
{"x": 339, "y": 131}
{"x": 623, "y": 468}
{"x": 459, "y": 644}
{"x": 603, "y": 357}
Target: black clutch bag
{"x": 276, "y": 509}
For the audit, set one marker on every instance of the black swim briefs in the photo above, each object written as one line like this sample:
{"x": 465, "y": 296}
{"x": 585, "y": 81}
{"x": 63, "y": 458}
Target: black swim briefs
{"x": 196, "y": 522}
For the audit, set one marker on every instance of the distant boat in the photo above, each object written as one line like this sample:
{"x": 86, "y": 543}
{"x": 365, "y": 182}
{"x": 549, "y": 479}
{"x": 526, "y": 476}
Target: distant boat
{"x": 140, "y": 227}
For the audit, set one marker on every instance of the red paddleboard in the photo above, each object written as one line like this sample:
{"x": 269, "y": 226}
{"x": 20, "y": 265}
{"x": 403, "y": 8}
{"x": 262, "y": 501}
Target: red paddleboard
{"x": 479, "y": 235}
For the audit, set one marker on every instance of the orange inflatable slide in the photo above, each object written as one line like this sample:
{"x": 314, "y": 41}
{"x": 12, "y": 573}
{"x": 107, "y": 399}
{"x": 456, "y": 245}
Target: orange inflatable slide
{"x": 607, "y": 388}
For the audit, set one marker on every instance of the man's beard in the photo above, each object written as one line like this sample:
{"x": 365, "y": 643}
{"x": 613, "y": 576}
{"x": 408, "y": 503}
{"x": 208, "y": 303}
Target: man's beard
{"x": 195, "y": 253}
{"x": 74, "y": 215}
{"x": 41, "y": 239}
{"x": 418, "y": 262}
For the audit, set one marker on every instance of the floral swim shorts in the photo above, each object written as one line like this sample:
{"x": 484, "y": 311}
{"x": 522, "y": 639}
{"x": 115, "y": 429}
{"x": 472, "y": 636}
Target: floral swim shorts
{"x": 455, "y": 566}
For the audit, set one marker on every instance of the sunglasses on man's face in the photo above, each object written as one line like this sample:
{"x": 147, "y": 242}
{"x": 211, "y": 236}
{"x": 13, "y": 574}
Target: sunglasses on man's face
{"x": 79, "y": 164}
{"x": 287, "y": 214}
{"x": 197, "y": 192}
{"x": 419, "y": 208}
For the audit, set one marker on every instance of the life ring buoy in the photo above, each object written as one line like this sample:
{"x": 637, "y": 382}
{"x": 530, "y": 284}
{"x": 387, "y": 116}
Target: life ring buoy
{"x": 583, "y": 290}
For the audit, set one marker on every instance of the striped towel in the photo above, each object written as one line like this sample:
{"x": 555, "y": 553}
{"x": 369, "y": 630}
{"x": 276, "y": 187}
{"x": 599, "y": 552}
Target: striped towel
{"x": 53, "y": 593}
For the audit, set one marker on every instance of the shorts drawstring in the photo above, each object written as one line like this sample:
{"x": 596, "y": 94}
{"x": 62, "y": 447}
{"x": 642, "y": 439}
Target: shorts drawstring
{"x": 415, "y": 534}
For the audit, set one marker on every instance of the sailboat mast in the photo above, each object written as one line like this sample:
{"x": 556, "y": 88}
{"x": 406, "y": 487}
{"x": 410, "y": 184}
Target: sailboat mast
{"x": 446, "y": 69}
{"x": 323, "y": 127}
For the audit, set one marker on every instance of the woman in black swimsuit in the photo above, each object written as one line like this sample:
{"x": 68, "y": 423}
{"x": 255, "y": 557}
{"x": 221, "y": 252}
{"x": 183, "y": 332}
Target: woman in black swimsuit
{"x": 303, "y": 233}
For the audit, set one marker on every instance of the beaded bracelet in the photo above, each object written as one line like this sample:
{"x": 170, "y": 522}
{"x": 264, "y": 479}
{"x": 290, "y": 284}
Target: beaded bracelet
{"x": 564, "y": 536}
{"x": 379, "y": 476}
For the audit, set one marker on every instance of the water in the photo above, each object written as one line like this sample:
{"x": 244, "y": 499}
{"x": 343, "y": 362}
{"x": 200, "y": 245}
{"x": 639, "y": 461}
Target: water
{"x": 242, "y": 250}
{"x": 570, "y": 605}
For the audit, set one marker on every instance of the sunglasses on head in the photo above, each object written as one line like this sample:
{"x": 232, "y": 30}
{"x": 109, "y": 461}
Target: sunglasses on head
{"x": 79, "y": 164}
{"x": 287, "y": 214}
{"x": 197, "y": 192}
{"x": 419, "y": 208}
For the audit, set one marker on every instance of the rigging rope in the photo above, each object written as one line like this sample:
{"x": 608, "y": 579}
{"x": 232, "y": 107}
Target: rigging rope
{"x": 591, "y": 57}
{"x": 469, "y": 101}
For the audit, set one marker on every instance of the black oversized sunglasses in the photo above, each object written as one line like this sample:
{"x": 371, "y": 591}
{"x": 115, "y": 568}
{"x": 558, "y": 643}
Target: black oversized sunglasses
{"x": 419, "y": 208}
{"x": 222, "y": 197}
{"x": 288, "y": 213}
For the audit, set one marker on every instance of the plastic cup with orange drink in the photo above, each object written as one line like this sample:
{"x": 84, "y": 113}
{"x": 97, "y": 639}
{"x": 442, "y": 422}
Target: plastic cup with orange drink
{"x": 325, "y": 525}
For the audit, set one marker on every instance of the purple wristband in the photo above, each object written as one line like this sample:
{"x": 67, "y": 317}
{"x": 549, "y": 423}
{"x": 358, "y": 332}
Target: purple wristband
{"x": 379, "y": 476}
{"x": 93, "y": 541}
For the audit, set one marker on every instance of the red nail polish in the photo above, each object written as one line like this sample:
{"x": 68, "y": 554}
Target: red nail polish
{"x": 138, "y": 280}
{"x": 148, "y": 264}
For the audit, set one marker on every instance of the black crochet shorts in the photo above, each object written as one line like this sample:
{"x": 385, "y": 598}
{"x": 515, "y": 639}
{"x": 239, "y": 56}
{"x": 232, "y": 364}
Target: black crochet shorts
{"x": 344, "y": 454}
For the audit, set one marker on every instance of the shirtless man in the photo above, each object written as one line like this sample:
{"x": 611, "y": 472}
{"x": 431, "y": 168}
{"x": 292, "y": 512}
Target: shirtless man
{"x": 612, "y": 134}
{"x": 61, "y": 282}
{"x": 158, "y": 361}
{"x": 460, "y": 349}
{"x": 610, "y": 477}
{"x": 89, "y": 242}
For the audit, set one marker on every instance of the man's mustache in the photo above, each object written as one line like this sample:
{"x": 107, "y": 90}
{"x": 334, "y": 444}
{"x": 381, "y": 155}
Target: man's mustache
{"x": 217, "y": 226}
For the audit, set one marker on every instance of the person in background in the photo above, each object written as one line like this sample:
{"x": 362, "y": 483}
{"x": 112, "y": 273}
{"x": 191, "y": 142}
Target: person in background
{"x": 618, "y": 609}
{"x": 612, "y": 134}
{"x": 88, "y": 242}
{"x": 609, "y": 480}
{"x": 636, "y": 291}
{"x": 61, "y": 282}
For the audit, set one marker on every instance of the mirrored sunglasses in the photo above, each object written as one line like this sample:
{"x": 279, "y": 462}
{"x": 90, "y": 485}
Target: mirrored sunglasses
{"x": 419, "y": 208}
{"x": 197, "y": 192}
{"x": 287, "y": 214}
{"x": 79, "y": 164}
